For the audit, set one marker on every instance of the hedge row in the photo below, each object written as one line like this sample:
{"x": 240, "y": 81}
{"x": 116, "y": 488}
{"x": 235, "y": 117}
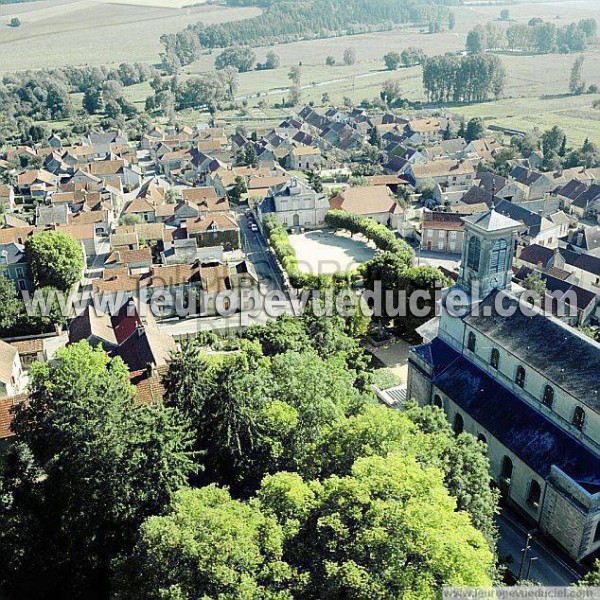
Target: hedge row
{"x": 379, "y": 234}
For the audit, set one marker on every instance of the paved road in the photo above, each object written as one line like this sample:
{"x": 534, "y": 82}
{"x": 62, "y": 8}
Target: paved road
{"x": 258, "y": 253}
{"x": 547, "y": 567}
{"x": 270, "y": 279}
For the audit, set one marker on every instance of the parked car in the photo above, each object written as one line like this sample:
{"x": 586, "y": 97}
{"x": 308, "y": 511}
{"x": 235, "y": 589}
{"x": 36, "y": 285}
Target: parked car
{"x": 254, "y": 227}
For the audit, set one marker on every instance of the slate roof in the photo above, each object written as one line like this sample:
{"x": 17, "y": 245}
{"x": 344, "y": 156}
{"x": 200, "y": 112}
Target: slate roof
{"x": 531, "y": 220}
{"x": 536, "y": 255}
{"x": 491, "y": 221}
{"x": 558, "y": 352}
{"x": 477, "y": 195}
{"x": 535, "y": 439}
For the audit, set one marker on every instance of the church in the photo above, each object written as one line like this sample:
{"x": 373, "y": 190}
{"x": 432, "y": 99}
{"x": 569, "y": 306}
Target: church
{"x": 524, "y": 383}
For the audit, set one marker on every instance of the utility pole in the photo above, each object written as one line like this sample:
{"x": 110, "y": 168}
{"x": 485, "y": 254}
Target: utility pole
{"x": 524, "y": 555}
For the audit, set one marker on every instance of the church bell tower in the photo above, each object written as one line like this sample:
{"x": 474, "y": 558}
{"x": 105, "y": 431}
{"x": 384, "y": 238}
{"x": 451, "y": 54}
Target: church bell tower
{"x": 487, "y": 253}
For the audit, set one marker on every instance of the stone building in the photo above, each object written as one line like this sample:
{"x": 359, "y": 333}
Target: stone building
{"x": 295, "y": 204}
{"x": 524, "y": 383}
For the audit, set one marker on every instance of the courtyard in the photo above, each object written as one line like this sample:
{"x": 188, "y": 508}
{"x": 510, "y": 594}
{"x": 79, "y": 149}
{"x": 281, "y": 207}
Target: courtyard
{"x": 325, "y": 252}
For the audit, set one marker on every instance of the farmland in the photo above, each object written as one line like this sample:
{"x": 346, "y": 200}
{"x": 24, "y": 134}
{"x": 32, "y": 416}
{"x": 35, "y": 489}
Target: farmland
{"x": 55, "y": 33}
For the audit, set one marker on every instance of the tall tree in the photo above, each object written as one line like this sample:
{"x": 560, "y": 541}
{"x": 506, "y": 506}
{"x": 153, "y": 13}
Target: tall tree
{"x": 55, "y": 259}
{"x": 208, "y": 546}
{"x": 389, "y": 529}
{"x": 102, "y": 465}
{"x": 576, "y": 82}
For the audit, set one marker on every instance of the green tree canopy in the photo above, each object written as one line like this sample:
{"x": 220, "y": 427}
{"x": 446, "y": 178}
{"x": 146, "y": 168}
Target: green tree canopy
{"x": 90, "y": 467}
{"x": 55, "y": 260}
{"x": 208, "y": 546}
{"x": 389, "y": 529}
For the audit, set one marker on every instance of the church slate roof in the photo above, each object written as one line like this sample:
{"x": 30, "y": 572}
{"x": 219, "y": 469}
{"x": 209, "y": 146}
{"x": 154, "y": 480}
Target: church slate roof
{"x": 565, "y": 357}
{"x": 491, "y": 221}
{"x": 528, "y": 433}
{"x": 436, "y": 354}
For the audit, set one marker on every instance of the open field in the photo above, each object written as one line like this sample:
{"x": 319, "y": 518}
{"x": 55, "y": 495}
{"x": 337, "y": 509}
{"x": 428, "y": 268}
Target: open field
{"x": 55, "y": 33}
{"x": 325, "y": 252}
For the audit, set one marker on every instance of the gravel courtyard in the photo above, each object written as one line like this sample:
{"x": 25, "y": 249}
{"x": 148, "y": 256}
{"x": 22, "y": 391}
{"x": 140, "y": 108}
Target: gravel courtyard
{"x": 326, "y": 252}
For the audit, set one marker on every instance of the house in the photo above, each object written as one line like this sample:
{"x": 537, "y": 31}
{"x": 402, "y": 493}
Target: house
{"x": 563, "y": 221}
{"x": 425, "y": 131}
{"x": 127, "y": 334}
{"x": 13, "y": 265}
{"x": 585, "y": 240}
{"x": 103, "y": 142}
{"x": 579, "y": 311}
{"x": 215, "y": 229}
{"x": 446, "y": 149}
{"x": 303, "y": 158}
{"x": 536, "y": 184}
{"x": 85, "y": 234}
{"x": 485, "y": 148}
{"x": 536, "y": 256}
{"x": 295, "y": 204}
{"x": 450, "y": 175}
{"x": 11, "y": 371}
{"x": 536, "y": 228}
{"x": 51, "y": 214}
{"x": 522, "y": 382}
{"x": 36, "y": 183}
{"x": 205, "y": 199}
{"x": 375, "y": 202}
{"x": 584, "y": 269}
{"x": 442, "y": 232}
{"x": 7, "y": 197}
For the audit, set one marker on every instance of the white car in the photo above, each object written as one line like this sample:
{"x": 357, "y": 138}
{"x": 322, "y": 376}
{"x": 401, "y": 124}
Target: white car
{"x": 253, "y": 226}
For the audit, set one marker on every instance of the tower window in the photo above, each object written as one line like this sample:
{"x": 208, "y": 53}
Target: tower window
{"x": 579, "y": 417}
{"x": 495, "y": 358}
{"x": 473, "y": 253}
{"x": 459, "y": 424}
{"x": 535, "y": 493}
{"x": 597, "y": 533}
{"x": 507, "y": 469}
{"x": 482, "y": 438}
{"x": 437, "y": 401}
{"x": 520, "y": 377}
{"x": 498, "y": 257}
{"x": 471, "y": 342}
{"x": 548, "y": 398}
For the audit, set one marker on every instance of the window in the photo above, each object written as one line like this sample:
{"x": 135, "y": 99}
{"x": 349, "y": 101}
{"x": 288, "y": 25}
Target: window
{"x": 498, "y": 258}
{"x": 597, "y": 533}
{"x": 22, "y": 284}
{"x": 430, "y": 233}
{"x": 520, "y": 377}
{"x": 548, "y": 398}
{"x": 507, "y": 469}
{"x": 535, "y": 493}
{"x": 495, "y": 358}
{"x": 579, "y": 417}
{"x": 482, "y": 438}
{"x": 20, "y": 272}
{"x": 473, "y": 253}
{"x": 459, "y": 424}
{"x": 437, "y": 401}
{"x": 471, "y": 341}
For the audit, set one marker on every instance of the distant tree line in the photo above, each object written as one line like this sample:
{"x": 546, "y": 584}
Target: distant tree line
{"x": 463, "y": 79}
{"x": 288, "y": 21}
{"x": 537, "y": 36}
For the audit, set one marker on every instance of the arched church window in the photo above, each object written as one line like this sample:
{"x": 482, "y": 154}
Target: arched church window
{"x": 535, "y": 493}
{"x": 520, "y": 377}
{"x": 471, "y": 341}
{"x": 437, "y": 401}
{"x": 495, "y": 358}
{"x": 579, "y": 417}
{"x": 498, "y": 257}
{"x": 548, "y": 399}
{"x": 473, "y": 252}
{"x": 507, "y": 468}
{"x": 459, "y": 424}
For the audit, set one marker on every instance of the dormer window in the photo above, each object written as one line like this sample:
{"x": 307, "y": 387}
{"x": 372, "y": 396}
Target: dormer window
{"x": 548, "y": 398}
